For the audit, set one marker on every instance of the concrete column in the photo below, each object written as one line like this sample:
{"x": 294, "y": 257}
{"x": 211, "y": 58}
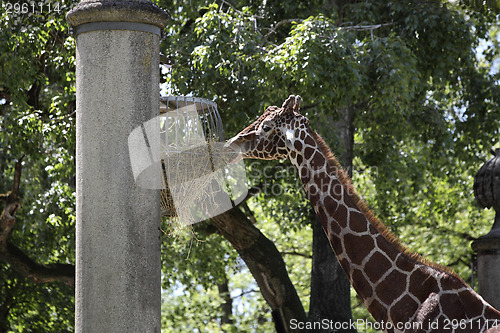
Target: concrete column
{"x": 118, "y": 268}
{"x": 487, "y": 248}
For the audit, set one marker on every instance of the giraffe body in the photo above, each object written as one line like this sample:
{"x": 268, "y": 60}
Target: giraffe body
{"x": 403, "y": 292}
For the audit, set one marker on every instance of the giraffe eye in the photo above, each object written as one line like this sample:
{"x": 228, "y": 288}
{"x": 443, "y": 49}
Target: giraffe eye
{"x": 266, "y": 128}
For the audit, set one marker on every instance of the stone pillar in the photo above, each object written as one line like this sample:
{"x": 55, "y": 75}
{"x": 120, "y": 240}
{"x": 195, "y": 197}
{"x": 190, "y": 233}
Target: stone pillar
{"x": 488, "y": 268}
{"x": 487, "y": 247}
{"x": 118, "y": 267}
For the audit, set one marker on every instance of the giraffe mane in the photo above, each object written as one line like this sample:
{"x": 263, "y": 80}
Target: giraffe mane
{"x": 346, "y": 181}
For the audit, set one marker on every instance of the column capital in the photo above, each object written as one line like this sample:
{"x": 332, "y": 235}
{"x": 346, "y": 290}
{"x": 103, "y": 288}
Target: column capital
{"x": 487, "y": 244}
{"x": 138, "y": 11}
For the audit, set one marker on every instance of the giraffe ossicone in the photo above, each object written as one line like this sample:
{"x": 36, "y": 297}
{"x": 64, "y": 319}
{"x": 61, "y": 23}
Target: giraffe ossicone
{"x": 403, "y": 291}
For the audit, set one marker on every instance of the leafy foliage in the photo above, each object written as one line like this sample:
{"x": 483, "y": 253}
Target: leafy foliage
{"x": 421, "y": 79}
{"x": 410, "y": 72}
{"x": 37, "y": 106}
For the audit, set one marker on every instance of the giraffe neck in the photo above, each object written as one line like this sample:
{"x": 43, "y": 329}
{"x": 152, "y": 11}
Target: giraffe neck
{"x": 358, "y": 245}
{"x": 393, "y": 284}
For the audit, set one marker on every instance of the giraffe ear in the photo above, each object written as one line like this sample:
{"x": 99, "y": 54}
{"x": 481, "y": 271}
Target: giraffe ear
{"x": 296, "y": 106}
{"x": 288, "y": 104}
{"x": 291, "y": 104}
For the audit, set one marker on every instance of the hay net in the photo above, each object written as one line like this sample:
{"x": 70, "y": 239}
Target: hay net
{"x": 182, "y": 152}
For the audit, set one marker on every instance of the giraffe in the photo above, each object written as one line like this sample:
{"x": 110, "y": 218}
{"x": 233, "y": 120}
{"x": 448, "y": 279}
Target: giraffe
{"x": 403, "y": 291}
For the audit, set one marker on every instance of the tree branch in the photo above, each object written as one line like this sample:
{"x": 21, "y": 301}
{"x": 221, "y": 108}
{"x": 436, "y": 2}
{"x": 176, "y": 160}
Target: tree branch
{"x": 245, "y": 292}
{"x": 295, "y": 253}
{"x": 279, "y": 24}
{"x": 365, "y": 27}
{"x": 39, "y": 273}
{"x": 7, "y": 219}
{"x": 447, "y": 231}
{"x": 17, "y": 180}
{"x": 14, "y": 256}
{"x": 4, "y": 196}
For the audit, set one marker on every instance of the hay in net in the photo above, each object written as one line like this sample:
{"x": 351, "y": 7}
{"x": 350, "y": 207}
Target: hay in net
{"x": 198, "y": 182}
{"x": 193, "y": 179}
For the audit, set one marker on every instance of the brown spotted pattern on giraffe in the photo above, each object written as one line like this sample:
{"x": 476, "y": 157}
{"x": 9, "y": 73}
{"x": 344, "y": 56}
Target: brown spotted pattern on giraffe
{"x": 390, "y": 251}
{"x": 318, "y": 160}
{"x": 318, "y": 180}
{"x": 378, "y": 265}
{"x": 326, "y": 185}
{"x": 348, "y": 200}
{"x": 305, "y": 176}
{"x": 404, "y": 309}
{"x": 344, "y": 263}
{"x": 357, "y": 222}
{"x": 297, "y": 145}
{"x": 455, "y": 307}
{"x": 310, "y": 141}
{"x": 404, "y": 263}
{"x": 330, "y": 204}
{"x": 308, "y": 152}
{"x": 322, "y": 182}
{"x": 299, "y": 159}
{"x": 463, "y": 329}
{"x": 282, "y": 151}
{"x": 335, "y": 227}
{"x": 390, "y": 288}
{"x": 320, "y": 211}
{"x": 337, "y": 246}
{"x": 467, "y": 298}
{"x": 304, "y": 183}
{"x": 250, "y": 136}
{"x": 363, "y": 251}
{"x": 359, "y": 281}
{"x": 377, "y": 310}
{"x": 313, "y": 193}
{"x": 422, "y": 284}
{"x": 340, "y": 213}
{"x": 490, "y": 312}
{"x": 372, "y": 229}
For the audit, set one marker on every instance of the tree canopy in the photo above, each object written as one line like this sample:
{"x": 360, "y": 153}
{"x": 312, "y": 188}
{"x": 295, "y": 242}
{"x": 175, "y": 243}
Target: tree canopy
{"x": 405, "y": 92}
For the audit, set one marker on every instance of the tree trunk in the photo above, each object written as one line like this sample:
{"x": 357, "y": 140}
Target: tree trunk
{"x": 227, "y": 304}
{"x": 330, "y": 288}
{"x": 266, "y": 265}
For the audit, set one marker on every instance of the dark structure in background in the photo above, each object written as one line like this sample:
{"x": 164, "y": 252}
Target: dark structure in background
{"x": 487, "y": 247}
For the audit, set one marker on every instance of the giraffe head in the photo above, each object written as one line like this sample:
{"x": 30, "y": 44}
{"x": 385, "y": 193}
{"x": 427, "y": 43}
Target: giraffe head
{"x": 270, "y": 136}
